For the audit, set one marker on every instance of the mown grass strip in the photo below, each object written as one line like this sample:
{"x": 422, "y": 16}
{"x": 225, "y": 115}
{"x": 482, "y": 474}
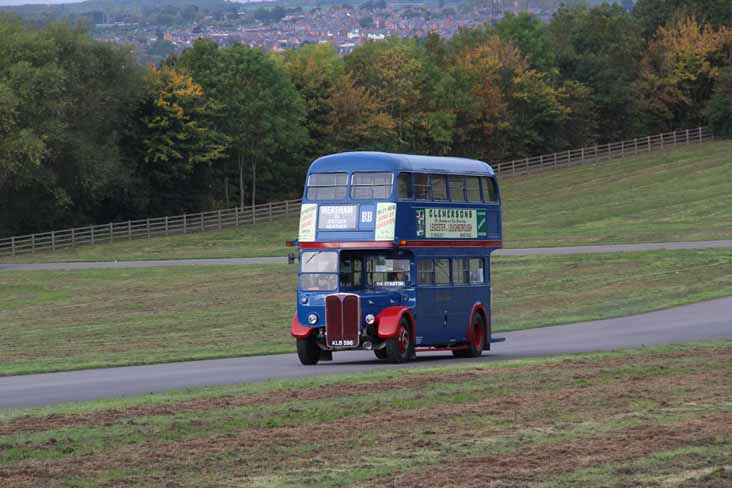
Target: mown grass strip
{"x": 62, "y": 320}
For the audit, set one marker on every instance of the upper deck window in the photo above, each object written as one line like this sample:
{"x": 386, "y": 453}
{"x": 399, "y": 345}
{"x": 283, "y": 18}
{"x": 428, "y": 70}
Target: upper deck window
{"x": 421, "y": 186}
{"x": 371, "y": 186}
{"x": 327, "y": 186}
{"x": 472, "y": 188}
{"x": 404, "y": 186}
{"x": 439, "y": 187}
{"x": 489, "y": 189}
{"x": 457, "y": 188}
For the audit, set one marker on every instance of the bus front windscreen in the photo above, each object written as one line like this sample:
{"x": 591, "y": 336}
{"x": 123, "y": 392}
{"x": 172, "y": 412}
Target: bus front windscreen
{"x": 319, "y": 270}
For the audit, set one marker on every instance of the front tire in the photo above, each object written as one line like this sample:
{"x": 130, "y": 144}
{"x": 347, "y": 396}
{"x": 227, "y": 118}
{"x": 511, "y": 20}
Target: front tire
{"x": 399, "y": 349}
{"x": 477, "y": 339}
{"x": 308, "y": 351}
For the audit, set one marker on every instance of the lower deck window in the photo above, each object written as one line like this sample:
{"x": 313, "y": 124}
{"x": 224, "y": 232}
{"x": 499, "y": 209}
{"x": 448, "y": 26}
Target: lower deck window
{"x": 442, "y": 271}
{"x": 460, "y": 271}
{"x": 477, "y": 271}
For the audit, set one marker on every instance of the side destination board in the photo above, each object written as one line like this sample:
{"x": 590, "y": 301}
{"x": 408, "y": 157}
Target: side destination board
{"x": 451, "y": 223}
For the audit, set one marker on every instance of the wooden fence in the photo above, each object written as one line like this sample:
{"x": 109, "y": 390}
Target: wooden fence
{"x": 147, "y": 228}
{"x": 604, "y": 152}
{"x": 234, "y": 217}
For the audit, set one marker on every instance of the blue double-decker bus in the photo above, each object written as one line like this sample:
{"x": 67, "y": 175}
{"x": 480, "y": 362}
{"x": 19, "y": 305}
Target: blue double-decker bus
{"x": 394, "y": 256}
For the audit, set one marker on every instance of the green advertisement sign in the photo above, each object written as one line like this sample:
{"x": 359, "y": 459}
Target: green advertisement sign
{"x": 451, "y": 223}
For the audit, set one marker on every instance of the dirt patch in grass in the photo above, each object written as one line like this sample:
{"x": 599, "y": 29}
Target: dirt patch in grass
{"x": 534, "y": 464}
{"x": 531, "y": 422}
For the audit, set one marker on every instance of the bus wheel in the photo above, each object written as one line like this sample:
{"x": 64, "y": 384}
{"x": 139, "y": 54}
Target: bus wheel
{"x": 308, "y": 351}
{"x": 477, "y": 341}
{"x": 380, "y": 353}
{"x": 399, "y": 349}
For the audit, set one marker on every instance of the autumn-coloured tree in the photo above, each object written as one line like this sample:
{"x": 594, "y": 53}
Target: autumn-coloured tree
{"x": 179, "y": 136}
{"x": 357, "y": 120}
{"x": 678, "y": 72}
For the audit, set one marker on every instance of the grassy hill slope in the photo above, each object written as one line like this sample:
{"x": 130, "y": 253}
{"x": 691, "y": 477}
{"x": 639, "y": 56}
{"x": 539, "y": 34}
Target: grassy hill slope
{"x": 683, "y": 194}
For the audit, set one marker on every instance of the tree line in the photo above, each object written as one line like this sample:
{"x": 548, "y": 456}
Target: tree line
{"x": 88, "y": 135}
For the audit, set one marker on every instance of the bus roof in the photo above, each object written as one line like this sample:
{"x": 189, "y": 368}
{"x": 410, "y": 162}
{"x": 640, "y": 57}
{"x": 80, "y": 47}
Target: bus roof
{"x": 381, "y": 161}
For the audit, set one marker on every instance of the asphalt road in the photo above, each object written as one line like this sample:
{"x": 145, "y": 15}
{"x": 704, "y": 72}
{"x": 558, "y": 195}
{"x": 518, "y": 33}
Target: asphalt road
{"x": 272, "y": 260}
{"x": 700, "y": 321}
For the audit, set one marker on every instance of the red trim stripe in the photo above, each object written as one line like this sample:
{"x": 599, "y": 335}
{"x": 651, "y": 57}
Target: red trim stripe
{"x": 388, "y": 245}
{"x": 346, "y": 245}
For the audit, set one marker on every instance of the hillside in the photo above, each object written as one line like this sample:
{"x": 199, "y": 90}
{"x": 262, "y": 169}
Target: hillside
{"x": 683, "y": 194}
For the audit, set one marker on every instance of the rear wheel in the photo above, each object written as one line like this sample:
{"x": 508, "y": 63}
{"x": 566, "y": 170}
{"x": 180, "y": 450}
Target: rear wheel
{"x": 400, "y": 348}
{"x": 308, "y": 351}
{"x": 476, "y": 340}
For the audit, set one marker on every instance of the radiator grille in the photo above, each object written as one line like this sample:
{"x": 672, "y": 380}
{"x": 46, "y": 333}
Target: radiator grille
{"x": 342, "y": 318}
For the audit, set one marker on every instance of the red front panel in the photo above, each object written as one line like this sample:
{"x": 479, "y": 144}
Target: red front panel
{"x": 342, "y": 320}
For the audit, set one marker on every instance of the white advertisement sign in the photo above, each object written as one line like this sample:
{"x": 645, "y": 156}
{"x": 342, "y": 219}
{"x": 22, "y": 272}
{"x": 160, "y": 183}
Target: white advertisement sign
{"x": 307, "y": 222}
{"x": 449, "y": 223}
{"x": 385, "y": 221}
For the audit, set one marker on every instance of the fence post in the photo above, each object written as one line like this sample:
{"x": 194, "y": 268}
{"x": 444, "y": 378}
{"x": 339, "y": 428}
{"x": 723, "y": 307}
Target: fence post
{"x": 674, "y": 138}
{"x": 236, "y": 216}
{"x": 513, "y": 167}
{"x": 33, "y": 243}
{"x": 12, "y": 245}
{"x": 649, "y": 143}
{"x": 53, "y": 240}
{"x": 270, "y": 211}
{"x": 166, "y": 225}
{"x": 219, "y": 217}
{"x": 622, "y": 149}
{"x": 582, "y": 152}
{"x": 254, "y": 214}
{"x": 73, "y": 237}
{"x": 687, "y": 136}
{"x": 701, "y": 138}
{"x": 555, "y": 160}
{"x": 569, "y": 157}
{"x": 287, "y": 208}
{"x": 541, "y": 161}
{"x": 92, "y": 234}
{"x": 147, "y": 222}
{"x": 635, "y": 146}
{"x": 184, "y": 224}
{"x": 129, "y": 229}
{"x": 662, "y": 138}
{"x": 202, "y": 223}
{"x": 111, "y": 232}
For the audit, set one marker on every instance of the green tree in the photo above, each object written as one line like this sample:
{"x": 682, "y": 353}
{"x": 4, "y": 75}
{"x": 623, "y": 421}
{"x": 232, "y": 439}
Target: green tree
{"x": 719, "y": 108}
{"x": 653, "y": 14}
{"x": 263, "y": 115}
{"x": 601, "y": 48}
{"x": 529, "y": 34}
{"x": 67, "y": 99}
{"x": 315, "y": 70}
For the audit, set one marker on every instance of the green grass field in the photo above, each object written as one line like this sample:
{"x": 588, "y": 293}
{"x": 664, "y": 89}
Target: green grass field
{"x": 656, "y": 417}
{"x": 60, "y": 320}
{"x": 684, "y": 194}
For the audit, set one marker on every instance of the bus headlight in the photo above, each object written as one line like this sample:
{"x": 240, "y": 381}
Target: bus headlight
{"x": 370, "y": 319}
{"x": 312, "y": 319}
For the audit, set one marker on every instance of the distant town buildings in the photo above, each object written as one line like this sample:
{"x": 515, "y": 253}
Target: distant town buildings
{"x": 344, "y": 26}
